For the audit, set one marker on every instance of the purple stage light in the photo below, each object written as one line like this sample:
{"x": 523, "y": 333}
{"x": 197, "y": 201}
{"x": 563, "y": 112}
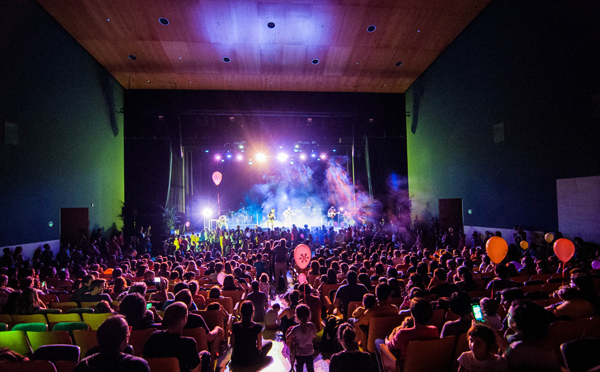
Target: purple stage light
{"x": 218, "y": 157}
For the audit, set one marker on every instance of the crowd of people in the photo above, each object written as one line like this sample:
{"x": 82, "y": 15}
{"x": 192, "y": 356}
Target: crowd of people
{"x": 389, "y": 272}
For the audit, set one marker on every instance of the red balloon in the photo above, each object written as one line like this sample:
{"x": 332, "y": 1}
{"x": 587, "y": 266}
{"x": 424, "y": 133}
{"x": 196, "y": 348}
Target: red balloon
{"x": 564, "y": 249}
{"x": 302, "y": 256}
{"x": 217, "y": 177}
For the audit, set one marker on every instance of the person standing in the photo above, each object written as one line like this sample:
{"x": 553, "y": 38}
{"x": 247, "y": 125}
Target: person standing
{"x": 280, "y": 258}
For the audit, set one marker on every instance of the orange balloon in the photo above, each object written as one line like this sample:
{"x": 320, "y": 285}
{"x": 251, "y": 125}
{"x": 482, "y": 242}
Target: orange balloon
{"x": 108, "y": 271}
{"x": 302, "y": 256}
{"x": 217, "y": 177}
{"x": 524, "y": 244}
{"x": 564, "y": 249}
{"x": 496, "y": 248}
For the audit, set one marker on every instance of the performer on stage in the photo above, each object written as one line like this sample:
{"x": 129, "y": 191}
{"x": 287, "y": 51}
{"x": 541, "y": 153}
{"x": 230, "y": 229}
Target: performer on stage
{"x": 222, "y": 222}
{"x": 331, "y": 216}
{"x": 347, "y": 218}
{"x": 288, "y": 213}
{"x": 308, "y": 205}
{"x": 271, "y": 219}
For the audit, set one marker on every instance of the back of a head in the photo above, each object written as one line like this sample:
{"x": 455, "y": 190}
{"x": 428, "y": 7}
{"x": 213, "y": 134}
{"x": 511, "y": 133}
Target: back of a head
{"x": 502, "y": 271}
{"x": 352, "y": 277}
{"x": 175, "y": 313}
{"x": 247, "y": 311}
{"x": 441, "y": 274}
{"x": 531, "y": 319}
{"x": 184, "y": 296}
{"x": 460, "y": 303}
{"x": 112, "y": 334}
{"x": 255, "y": 286}
{"x": 133, "y": 306}
{"x": 215, "y": 292}
{"x": 303, "y": 313}
{"x": 383, "y": 292}
{"x": 346, "y": 335}
{"x": 421, "y": 311}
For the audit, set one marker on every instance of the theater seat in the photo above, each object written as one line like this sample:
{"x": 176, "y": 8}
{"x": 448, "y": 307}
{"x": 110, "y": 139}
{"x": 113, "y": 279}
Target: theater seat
{"x": 163, "y": 364}
{"x": 54, "y": 353}
{"x": 38, "y": 339}
{"x": 32, "y": 366}
{"x": 31, "y": 327}
{"x": 16, "y": 341}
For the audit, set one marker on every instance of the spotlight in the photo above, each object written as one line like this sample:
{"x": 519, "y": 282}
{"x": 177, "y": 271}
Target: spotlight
{"x": 334, "y": 150}
{"x": 292, "y": 162}
{"x": 323, "y": 156}
{"x": 241, "y": 146}
{"x": 228, "y": 156}
{"x": 282, "y": 157}
{"x": 341, "y": 209}
{"x": 207, "y": 213}
{"x": 239, "y": 157}
{"x": 313, "y": 155}
{"x": 261, "y": 157}
{"x": 205, "y": 150}
{"x": 218, "y": 157}
{"x": 302, "y": 156}
{"x": 297, "y": 146}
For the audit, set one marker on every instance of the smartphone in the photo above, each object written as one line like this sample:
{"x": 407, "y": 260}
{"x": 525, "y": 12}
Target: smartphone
{"x": 477, "y": 314}
{"x": 156, "y": 280}
{"x": 148, "y": 305}
{"x": 43, "y": 284}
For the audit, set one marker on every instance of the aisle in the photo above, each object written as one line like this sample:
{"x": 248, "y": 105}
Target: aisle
{"x": 276, "y": 361}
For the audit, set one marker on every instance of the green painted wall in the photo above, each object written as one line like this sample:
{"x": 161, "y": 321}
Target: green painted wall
{"x": 71, "y": 148}
{"x": 534, "y": 67}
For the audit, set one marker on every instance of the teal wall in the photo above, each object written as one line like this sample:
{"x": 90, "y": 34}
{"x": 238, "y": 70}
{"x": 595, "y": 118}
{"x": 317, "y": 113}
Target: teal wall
{"x": 71, "y": 139}
{"x": 532, "y": 65}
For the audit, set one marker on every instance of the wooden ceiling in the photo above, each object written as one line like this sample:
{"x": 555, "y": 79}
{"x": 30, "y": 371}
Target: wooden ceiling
{"x": 188, "y": 52}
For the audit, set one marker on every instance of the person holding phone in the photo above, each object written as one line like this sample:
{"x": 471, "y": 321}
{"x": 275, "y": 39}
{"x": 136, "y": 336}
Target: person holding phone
{"x": 460, "y": 304}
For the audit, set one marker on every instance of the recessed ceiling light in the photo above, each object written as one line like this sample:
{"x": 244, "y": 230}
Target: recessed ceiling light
{"x": 218, "y": 23}
{"x": 371, "y": 28}
{"x": 132, "y": 57}
{"x": 398, "y": 64}
{"x": 179, "y": 57}
{"x": 226, "y": 59}
{"x": 108, "y": 19}
{"x": 271, "y": 25}
{"x": 315, "y": 61}
{"x": 163, "y": 21}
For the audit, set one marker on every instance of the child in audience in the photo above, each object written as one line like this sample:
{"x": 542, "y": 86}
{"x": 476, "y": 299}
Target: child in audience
{"x": 264, "y": 285}
{"x": 489, "y": 308}
{"x": 482, "y": 342}
{"x": 271, "y": 317}
{"x": 300, "y": 339}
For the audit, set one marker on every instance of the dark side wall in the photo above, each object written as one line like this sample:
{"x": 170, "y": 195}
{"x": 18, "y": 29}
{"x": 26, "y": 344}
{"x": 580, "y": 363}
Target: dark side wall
{"x": 532, "y": 65}
{"x": 70, "y": 150}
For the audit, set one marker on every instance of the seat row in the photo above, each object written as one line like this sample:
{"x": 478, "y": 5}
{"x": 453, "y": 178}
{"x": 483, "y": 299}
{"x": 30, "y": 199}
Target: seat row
{"x": 155, "y": 364}
{"x": 93, "y": 320}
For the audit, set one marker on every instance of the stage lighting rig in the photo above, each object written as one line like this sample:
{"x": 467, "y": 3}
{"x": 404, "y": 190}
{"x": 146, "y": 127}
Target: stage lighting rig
{"x": 282, "y": 157}
{"x": 261, "y": 157}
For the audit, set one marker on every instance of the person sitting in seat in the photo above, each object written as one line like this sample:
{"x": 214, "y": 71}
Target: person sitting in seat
{"x": 398, "y": 340}
{"x": 169, "y": 342}
{"x": 96, "y": 292}
{"x": 113, "y": 336}
{"x": 351, "y": 359}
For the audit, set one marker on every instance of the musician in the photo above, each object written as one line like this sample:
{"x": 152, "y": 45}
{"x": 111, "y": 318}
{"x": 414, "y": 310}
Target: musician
{"x": 347, "y": 217}
{"x": 288, "y": 213}
{"x": 222, "y": 222}
{"x": 331, "y": 216}
{"x": 308, "y": 205}
{"x": 271, "y": 219}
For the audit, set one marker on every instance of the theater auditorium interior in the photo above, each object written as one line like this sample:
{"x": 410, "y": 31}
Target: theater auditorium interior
{"x": 336, "y": 185}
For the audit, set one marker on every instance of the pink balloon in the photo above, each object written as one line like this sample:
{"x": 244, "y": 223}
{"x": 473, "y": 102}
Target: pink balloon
{"x": 302, "y": 279}
{"x": 564, "y": 249}
{"x": 596, "y": 265}
{"x": 221, "y": 278}
{"x": 217, "y": 177}
{"x": 302, "y": 256}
